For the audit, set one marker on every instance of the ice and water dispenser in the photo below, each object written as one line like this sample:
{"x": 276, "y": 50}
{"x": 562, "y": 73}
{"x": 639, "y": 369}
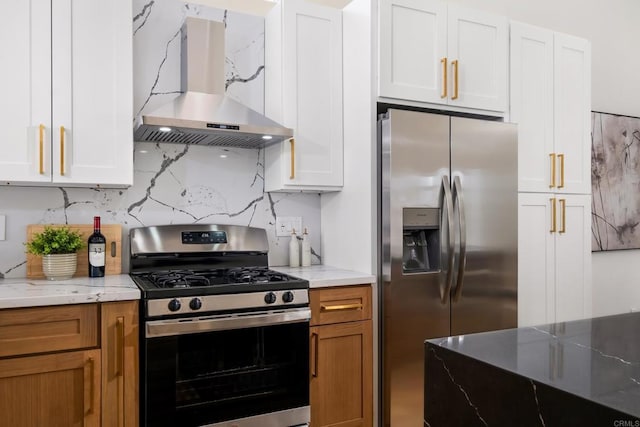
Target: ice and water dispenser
{"x": 420, "y": 240}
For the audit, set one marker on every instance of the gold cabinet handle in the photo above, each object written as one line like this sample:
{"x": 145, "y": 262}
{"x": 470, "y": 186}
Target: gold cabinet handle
{"x": 552, "y": 156}
{"x": 88, "y": 386}
{"x": 314, "y": 354}
{"x": 293, "y": 158}
{"x": 61, "y": 150}
{"x": 119, "y": 346}
{"x": 561, "y": 157}
{"x": 563, "y": 208}
{"x": 342, "y": 307}
{"x": 41, "y": 148}
{"x": 443, "y": 61}
{"x": 454, "y": 64}
{"x": 553, "y": 215}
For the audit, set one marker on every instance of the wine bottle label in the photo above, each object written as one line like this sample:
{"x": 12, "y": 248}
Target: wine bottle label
{"x": 96, "y": 254}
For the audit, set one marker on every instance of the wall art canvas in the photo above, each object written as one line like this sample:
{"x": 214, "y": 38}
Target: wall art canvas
{"x": 615, "y": 182}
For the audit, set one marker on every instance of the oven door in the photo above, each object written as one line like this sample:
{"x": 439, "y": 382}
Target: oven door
{"x": 236, "y": 370}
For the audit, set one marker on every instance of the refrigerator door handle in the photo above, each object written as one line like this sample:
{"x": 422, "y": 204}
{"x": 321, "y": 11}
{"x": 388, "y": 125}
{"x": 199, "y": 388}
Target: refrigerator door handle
{"x": 458, "y": 200}
{"x": 446, "y": 203}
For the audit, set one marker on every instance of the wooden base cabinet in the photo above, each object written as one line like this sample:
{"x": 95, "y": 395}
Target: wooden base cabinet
{"x": 60, "y": 389}
{"x": 341, "y": 357}
{"x": 73, "y": 365}
{"x": 120, "y": 369}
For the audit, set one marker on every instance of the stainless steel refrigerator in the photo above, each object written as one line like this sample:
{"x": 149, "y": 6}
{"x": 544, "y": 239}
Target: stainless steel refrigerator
{"x": 448, "y": 242}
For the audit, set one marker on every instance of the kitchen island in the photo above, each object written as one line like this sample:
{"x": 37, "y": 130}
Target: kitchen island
{"x": 580, "y": 373}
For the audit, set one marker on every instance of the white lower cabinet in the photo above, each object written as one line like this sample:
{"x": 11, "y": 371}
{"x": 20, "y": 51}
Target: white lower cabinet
{"x": 554, "y": 258}
{"x": 68, "y": 103}
{"x": 303, "y": 91}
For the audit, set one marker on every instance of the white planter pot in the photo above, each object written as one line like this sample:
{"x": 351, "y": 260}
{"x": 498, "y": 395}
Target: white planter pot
{"x": 59, "y": 266}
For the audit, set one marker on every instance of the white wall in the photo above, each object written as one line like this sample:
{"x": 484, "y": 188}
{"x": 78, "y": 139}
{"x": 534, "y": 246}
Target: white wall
{"x": 348, "y": 217}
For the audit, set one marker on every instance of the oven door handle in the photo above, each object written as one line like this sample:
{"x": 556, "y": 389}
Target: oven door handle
{"x": 168, "y": 327}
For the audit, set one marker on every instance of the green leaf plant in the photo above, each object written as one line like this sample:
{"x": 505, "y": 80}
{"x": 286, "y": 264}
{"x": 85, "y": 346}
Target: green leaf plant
{"x": 52, "y": 240}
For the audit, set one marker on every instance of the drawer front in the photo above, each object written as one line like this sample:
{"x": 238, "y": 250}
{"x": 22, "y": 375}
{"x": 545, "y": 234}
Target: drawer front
{"x": 45, "y": 329}
{"x": 340, "y": 304}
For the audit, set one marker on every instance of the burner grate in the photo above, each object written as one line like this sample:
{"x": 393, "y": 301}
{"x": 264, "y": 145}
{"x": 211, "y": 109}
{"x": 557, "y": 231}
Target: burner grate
{"x": 178, "y": 279}
{"x": 232, "y": 276}
{"x": 255, "y": 275}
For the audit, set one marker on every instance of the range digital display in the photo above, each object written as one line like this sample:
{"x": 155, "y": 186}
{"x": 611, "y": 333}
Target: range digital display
{"x": 222, "y": 126}
{"x": 203, "y": 237}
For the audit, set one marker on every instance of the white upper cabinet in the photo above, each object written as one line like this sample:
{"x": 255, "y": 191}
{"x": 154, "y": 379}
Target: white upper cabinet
{"x": 413, "y": 41}
{"x": 303, "y": 91}
{"x": 25, "y": 84}
{"x": 73, "y": 92}
{"x": 446, "y": 55}
{"x": 572, "y": 110}
{"x": 551, "y": 103}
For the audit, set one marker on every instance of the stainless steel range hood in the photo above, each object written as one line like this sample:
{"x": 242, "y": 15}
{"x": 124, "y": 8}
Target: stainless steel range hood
{"x": 203, "y": 114}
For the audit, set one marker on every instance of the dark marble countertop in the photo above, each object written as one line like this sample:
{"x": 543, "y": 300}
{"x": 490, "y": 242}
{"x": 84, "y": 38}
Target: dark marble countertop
{"x": 596, "y": 359}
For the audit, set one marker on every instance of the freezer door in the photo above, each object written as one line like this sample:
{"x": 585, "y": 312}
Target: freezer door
{"x": 484, "y": 171}
{"x": 415, "y": 307}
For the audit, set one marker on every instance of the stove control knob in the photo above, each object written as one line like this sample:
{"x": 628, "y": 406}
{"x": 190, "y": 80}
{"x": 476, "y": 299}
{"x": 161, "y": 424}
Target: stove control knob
{"x": 195, "y": 304}
{"x": 174, "y": 305}
{"x": 270, "y": 298}
{"x": 287, "y": 296}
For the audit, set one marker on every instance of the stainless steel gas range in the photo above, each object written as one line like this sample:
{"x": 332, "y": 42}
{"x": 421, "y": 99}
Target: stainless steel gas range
{"x": 225, "y": 339}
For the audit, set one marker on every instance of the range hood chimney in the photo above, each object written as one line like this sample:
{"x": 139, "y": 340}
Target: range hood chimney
{"x": 203, "y": 114}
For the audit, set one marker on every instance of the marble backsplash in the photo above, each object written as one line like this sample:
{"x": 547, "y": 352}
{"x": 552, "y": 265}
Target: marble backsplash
{"x": 173, "y": 184}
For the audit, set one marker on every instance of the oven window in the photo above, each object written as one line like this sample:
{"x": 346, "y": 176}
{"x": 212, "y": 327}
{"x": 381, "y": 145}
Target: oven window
{"x": 217, "y": 376}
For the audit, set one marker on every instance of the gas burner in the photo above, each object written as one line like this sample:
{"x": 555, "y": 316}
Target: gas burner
{"x": 178, "y": 279}
{"x": 255, "y": 275}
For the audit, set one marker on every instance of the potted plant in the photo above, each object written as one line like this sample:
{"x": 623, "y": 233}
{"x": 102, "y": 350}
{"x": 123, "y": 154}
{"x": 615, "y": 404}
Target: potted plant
{"x": 59, "y": 248}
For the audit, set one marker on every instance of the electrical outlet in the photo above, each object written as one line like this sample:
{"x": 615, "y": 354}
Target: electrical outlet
{"x": 3, "y": 227}
{"x": 284, "y": 225}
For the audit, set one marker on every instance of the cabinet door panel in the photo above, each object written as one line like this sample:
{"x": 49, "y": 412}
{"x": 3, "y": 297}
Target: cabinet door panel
{"x": 572, "y": 105}
{"x": 303, "y": 90}
{"x": 25, "y": 84}
{"x": 120, "y": 364}
{"x": 92, "y": 86}
{"x": 479, "y": 42}
{"x": 412, "y": 44}
{"x": 57, "y": 390}
{"x": 341, "y": 375}
{"x": 536, "y": 260}
{"x": 313, "y": 93}
{"x": 532, "y": 104}
{"x": 573, "y": 258}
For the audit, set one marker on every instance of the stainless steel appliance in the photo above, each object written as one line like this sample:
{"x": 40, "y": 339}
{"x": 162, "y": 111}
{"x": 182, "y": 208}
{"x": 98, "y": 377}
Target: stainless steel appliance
{"x": 203, "y": 114}
{"x": 224, "y": 339}
{"x": 448, "y": 242}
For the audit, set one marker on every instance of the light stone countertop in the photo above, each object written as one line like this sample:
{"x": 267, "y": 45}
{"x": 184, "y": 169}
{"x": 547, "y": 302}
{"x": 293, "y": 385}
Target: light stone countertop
{"x": 32, "y": 293}
{"x": 320, "y": 276}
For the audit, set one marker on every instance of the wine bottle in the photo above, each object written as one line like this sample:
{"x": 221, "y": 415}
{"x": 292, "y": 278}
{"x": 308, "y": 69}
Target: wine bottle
{"x": 97, "y": 246}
